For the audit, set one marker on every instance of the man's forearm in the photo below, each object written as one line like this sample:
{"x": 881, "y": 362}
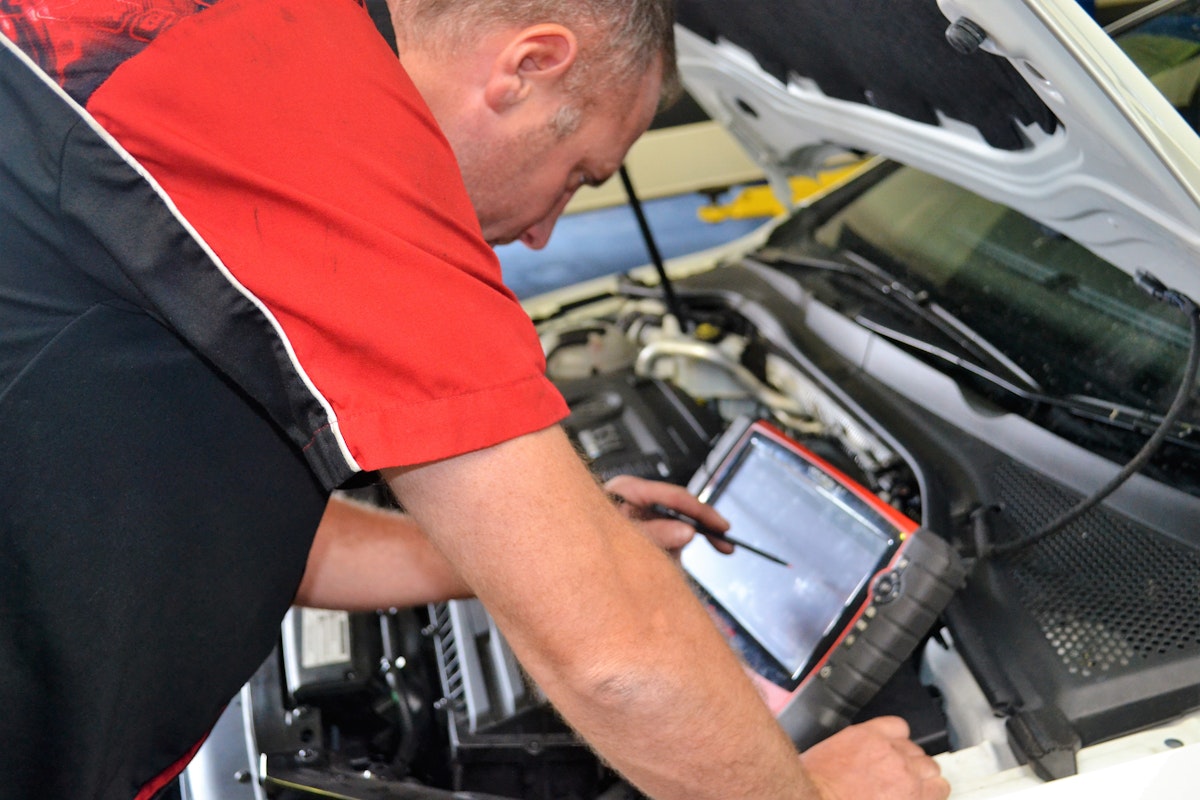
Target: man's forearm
{"x": 604, "y": 622}
{"x": 364, "y": 558}
{"x": 664, "y": 697}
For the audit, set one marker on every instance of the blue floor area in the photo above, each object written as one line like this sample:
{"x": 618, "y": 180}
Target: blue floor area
{"x": 607, "y": 241}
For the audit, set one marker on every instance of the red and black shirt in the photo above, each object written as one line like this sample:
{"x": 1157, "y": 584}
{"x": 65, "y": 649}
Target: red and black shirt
{"x": 338, "y": 272}
{"x": 237, "y": 267}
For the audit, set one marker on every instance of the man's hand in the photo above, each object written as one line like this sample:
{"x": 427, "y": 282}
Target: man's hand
{"x": 671, "y": 535}
{"x": 874, "y": 759}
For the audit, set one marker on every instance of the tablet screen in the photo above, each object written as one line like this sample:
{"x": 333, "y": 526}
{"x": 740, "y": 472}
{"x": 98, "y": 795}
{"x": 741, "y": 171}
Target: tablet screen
{"x": 788, "y": 505}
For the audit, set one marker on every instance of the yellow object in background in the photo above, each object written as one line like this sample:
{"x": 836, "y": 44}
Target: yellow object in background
{"x": 760, "y": 201}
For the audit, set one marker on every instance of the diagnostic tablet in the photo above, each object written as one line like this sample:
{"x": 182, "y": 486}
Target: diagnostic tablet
{"x": 864, "y": 586}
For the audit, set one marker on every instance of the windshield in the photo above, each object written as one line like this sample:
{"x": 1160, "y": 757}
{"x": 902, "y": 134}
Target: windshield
{"x": 1033, "y": 307}
{"x": 1073, "y": 323}
{"x": 1077, "y": 325}
{"x": 1167, "y": 49}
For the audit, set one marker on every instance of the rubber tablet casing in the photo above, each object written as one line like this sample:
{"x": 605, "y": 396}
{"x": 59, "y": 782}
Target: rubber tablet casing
{"x": 881, "y": 628}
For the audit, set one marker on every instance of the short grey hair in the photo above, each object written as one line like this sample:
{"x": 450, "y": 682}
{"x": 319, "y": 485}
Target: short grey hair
{"x": 619, "y": 39}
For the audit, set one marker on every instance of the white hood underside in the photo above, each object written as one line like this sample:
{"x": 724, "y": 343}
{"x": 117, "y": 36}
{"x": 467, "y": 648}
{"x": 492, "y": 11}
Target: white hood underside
{"x": 1120, "y": 175}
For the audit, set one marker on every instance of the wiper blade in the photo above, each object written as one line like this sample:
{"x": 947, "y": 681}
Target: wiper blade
{"x": 1094, "y": 409}
{"x": 930, "y": 349}
{"x": 917, "y": 304}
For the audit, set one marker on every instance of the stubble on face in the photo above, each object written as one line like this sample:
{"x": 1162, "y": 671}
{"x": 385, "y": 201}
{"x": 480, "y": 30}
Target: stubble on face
{"x": 494, "y": 172}
{"x": 516, "y": 182}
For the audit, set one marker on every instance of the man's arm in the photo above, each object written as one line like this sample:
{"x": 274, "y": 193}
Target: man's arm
{"x": 365, "y": 557}
{"x": 605, "y": 624}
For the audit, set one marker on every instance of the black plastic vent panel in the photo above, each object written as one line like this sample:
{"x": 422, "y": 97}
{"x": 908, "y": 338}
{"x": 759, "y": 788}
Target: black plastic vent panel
{"x": 1110, "y": 596}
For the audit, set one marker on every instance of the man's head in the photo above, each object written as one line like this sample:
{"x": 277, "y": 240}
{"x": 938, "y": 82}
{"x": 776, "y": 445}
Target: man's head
{"x": 619, "y": 39}
{"x": 537, "y": 97}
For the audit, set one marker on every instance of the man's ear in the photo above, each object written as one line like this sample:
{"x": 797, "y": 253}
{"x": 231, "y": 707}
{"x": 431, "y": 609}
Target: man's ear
{"x": 534, "y": 59}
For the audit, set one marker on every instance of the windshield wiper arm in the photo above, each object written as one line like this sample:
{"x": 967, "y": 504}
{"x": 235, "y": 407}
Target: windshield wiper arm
{"x": 1091, "y": 408}
{"x": 1094, "y": 409}
{"x": 915, "y": 303}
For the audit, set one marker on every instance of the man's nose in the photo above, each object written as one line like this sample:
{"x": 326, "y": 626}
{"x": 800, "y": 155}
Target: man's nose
{"x": 537, "y": 235}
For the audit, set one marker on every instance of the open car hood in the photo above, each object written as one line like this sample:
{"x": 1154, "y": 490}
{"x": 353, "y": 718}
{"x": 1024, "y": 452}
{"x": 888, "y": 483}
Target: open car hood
{"x": 1043, "y": 113}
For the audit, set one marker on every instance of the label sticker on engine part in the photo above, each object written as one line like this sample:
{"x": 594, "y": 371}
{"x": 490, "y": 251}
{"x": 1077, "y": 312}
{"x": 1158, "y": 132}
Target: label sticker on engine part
{"x": 325, "y": 637}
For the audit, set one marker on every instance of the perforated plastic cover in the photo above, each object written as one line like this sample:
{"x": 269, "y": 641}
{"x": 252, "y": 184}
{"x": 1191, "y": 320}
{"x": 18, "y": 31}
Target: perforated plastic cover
{"x": 1109, "y": 595}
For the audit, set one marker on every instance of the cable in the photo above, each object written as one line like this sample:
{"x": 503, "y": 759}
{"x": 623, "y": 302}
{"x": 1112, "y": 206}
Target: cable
{"x": 1156, "y": 289}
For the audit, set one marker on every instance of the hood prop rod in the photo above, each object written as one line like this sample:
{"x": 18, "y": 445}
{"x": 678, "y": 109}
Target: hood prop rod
{"x": 672, "y": 300}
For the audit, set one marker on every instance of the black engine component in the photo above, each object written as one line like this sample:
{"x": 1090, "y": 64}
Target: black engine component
{"x": 627, "y": 425}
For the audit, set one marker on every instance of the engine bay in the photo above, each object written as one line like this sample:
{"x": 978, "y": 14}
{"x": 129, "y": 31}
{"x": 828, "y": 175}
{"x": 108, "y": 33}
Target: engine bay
{"x": 431, "y": 703}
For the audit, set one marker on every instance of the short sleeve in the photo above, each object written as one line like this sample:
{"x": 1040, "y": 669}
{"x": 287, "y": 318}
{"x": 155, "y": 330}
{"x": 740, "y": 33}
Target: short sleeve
{"x": 335, "y": 232}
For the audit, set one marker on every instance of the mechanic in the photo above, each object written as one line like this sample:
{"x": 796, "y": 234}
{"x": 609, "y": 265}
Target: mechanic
{"x": 239, "y": 268}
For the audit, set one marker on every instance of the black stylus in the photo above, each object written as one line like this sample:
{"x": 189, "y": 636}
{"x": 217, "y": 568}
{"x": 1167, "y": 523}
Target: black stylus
{"x": 659, "y": 510}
